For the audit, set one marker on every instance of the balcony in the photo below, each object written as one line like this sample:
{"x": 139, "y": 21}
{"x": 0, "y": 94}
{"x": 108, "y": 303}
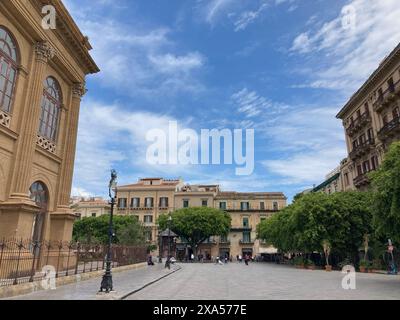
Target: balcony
{"x": 391, "y": 129}
{"x": 361, "y": 181}
{"x": 251, "y": 209}
{"x": 358, "y": 124}
{"x": 225, "y": 243}
{"x": 246, "y": 242}
{"x": 241, "y": 229}
{"x": 387, "y": 97}
{"x": 362, "y": 149}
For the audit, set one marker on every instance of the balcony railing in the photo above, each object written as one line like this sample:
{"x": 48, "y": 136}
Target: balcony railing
{"x": 361, "y": 180}
{"x": 359, "y": 123}
{"x": 246, "y": 242}
{"x": 241, "y": 229}
{"x": 362, "y": 149}
{"x": 390, "y": 129}
{"x": 387, "y": 97}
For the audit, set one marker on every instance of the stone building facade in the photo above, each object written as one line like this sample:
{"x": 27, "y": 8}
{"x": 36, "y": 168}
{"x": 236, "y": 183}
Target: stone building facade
{"x": 42, "y": 81}
{"x": 372, "y": 122}
{"x": 149, "y": 198}
{"x": 90, "y": 207}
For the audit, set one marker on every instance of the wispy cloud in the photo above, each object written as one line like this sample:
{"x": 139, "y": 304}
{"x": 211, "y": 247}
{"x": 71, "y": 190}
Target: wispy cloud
{"x": 348, "y": 48}
{"x": 146, "y": 56}
{"x": 241, "y": 13}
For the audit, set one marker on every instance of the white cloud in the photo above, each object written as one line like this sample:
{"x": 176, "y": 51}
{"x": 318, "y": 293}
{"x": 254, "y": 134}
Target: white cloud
{"x": 110, "y": 135}
{"x": 251, "y": 104}
{"x": 146, "y": 56}
{"x": 169, "y": 63}
{"x": 248, "y": 17}
{"x": 310, "y": 142}
{"x": 242, "y": 13}
{"x": 347, "y": 49}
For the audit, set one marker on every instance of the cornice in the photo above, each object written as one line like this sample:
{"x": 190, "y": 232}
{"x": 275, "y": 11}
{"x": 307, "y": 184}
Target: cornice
{"x": 377, "y": 76}
{"x": 68, "y": 31}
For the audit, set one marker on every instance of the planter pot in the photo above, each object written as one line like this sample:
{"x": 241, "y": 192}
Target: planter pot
{"x": 328, "y": 268}
{"x": 363, "y": 269}
{"x": 311, "y": 267}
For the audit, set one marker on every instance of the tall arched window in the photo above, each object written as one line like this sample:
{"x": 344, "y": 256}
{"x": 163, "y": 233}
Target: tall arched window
{"x": 8, "y": 69}
{"x": 51, "y": 105}
{"x": 39, "y": 194}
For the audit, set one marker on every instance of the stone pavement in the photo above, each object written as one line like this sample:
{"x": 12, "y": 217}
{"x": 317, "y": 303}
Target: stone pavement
{"x": 260, "y": 281}
{"x": 124, "y": 283}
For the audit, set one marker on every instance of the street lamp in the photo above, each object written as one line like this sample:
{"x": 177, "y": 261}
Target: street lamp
{"x": 168, "y": 262}
{"x": 107, "y": 282}
{"x": 169, "y": 236}
{"x": 159, "y": 244}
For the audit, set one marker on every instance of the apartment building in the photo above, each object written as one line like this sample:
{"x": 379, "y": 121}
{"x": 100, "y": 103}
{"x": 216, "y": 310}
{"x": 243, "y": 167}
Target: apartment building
{"x": 151, "y": 197}
{"x": 146, "y": 200}
{"x": 90, "y": 207}
{"x": 332, "y": 183}
{"x": 371, "y": 120}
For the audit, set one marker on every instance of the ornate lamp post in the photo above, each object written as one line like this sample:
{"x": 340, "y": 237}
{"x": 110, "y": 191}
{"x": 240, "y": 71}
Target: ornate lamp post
{"x": 168, "y": 262}
{"x": 169, "y": 236}
{"x": 107, "y": 282}
{"x": 159, "y": 244}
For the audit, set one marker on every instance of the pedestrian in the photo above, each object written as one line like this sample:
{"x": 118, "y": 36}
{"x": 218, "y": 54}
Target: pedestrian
{"x": 192, "y": 257}
{"x": 150, "y": 260}
{"x": 246, "y": 259}
{"x": 240, "y": 258}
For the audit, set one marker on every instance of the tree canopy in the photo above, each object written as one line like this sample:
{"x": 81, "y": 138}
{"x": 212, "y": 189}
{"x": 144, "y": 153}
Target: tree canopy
{"x": 386, "y": 188}
{"x": 315, "y": 219}
{"x": 195, "y": 225}
{"x": 127, "y": 230}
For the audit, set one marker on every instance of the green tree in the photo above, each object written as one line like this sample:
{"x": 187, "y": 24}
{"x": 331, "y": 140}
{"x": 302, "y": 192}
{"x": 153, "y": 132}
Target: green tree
{"x": 127, "y": 230}
{"x": 386, "y": 187}
{"x": 195, "y": 225}
{"x": 342, "y": 220}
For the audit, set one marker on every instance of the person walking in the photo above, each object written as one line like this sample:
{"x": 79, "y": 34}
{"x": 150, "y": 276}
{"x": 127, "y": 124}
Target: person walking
{"x": 246, "y": 259}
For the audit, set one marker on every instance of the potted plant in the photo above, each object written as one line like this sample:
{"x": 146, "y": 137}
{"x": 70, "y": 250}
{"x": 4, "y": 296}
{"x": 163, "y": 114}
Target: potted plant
{"x": 364, "y": 265}
{"x": 299, "y": 262}
{"x": 309, "y": 264}
{"x": 327, "y": 251}
{"x": 376, "y": 265}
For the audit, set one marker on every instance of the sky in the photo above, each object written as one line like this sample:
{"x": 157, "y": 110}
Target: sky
{"x": 284, "y": 68}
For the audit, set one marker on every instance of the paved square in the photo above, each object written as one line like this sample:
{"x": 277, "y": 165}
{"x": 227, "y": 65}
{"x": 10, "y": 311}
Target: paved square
{"x": 260, "y": 281}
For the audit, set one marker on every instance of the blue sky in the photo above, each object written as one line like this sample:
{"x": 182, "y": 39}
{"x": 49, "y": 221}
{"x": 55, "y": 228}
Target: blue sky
{"x": 282, "y": 67}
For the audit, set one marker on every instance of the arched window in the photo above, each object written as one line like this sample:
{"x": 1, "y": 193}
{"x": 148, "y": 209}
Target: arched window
{"x": 8, "y": 69}
{"x": 51, "y": 105}
{"x": 39, "y": 194}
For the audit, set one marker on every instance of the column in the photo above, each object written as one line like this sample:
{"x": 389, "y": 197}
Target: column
{"x": 62, "y": 220}
{"x": 18, "y": 212}
{"x": 27, "y": 140}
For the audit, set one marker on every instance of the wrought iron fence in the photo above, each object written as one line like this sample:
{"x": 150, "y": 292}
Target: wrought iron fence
{"x": 23, "y": 261}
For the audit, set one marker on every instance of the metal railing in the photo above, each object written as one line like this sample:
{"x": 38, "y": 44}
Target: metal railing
{"x": 23, "y": 261}
{"x": 389, "y": 127}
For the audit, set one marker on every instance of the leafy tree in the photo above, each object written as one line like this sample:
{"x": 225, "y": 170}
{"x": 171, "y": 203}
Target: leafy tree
{"x": 196, "y": 225}
{"x": 386, "y": 187}
{"x": 341, "y": 220}
{"x": 127, "y": 230}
